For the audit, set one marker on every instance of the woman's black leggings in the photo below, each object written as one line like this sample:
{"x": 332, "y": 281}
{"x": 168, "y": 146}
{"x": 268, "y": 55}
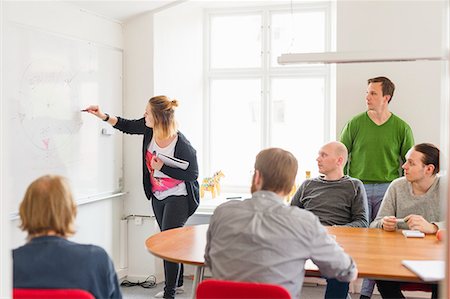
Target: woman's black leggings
{"x": 171, "y": 212}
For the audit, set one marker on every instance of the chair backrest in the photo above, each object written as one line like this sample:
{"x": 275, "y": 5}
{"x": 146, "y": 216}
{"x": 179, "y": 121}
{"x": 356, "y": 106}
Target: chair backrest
{"x": 224, "y": 289}
{"x": 51, "y": 294}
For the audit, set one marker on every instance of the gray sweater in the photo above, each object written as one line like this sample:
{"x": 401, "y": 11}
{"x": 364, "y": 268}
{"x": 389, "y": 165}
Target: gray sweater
{"x": 340, "y": 202}
{"x": 399, "y": 201}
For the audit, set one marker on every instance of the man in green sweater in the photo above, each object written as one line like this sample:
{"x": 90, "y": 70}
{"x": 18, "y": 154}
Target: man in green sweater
{"x": 377, "y": 141}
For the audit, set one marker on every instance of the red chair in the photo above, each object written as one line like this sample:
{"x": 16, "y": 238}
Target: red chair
{"x": 420, "y": 287}
{"x": 224, "y": 289}
{"x": 51, "y": 294}
{"x": 413, "y": 287}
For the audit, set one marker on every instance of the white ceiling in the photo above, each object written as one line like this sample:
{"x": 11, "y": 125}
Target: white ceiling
{"x": 120, "y": 10}
{"x": 123, "y": 10}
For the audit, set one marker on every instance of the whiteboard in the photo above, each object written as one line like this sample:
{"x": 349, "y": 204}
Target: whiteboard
{"x": 47, "y": 80}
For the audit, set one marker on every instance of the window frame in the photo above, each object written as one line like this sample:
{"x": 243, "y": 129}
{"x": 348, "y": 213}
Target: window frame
{"x": 266, "y": 73}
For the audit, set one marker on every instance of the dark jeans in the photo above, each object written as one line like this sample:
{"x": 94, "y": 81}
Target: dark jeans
{"x": 375, "y": 194}
{"x": 171, "y": 212}
{"x": 392, "y": 290}
{"x": 336, "y": 289}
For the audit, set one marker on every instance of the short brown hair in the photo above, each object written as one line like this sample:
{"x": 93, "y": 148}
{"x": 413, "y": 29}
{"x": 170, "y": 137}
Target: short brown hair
{"x": 278, "y": 169}
{"x": 47, "y": 206}
{"x": 164, "y": 116}
{"x": 388, "y": 87}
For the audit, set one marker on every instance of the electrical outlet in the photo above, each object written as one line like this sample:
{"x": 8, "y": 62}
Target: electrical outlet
{"x": 138, "y": 220}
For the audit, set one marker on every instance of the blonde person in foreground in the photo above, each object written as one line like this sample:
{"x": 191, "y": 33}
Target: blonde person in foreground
{"x": 49, "y": 260}
{"x": 260, "y": 239}
{"x": 414, "y": 199}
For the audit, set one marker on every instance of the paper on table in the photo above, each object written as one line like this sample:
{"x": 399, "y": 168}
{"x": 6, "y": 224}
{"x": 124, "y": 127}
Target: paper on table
{"x": 173, "y": 162}
{"x": 426, "y": 270}
{"x": 309, "y": 265}
{"x": 413, "y": 233}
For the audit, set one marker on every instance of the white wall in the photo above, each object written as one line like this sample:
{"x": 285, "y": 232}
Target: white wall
{"x": 98, "y": 222}
{"x": 68, "y": 20}
{"x": 385, "y": 26}
{"x": 138, "y": 89}
{"x": 178, "y": 66}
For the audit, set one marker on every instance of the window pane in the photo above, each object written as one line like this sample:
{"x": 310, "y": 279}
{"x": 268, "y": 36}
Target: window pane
{"x": 235, "y": 128}
{"x": 301, "y": 32}
{"x": 236, "y": 41}
{"x": 298, "y": 119}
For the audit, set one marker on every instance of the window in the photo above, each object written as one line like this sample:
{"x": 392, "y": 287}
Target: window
{"x": 251, "y": 101}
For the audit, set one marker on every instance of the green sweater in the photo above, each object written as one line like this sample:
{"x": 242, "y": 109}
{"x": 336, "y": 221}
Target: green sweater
{"x": 375, "y": 151}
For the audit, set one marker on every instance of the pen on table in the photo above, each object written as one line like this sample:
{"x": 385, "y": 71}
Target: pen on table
{"x": 233, "y": 197}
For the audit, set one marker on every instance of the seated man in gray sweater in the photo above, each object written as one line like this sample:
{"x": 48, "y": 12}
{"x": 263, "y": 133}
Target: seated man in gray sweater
{"x": 260, "y": 239}
{"x": 412, "y": 202}
{"x": 335, "y": 198}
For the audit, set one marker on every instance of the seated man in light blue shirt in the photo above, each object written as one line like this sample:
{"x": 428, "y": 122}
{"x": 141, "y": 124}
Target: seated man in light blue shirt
{"x": 260, "y": 239}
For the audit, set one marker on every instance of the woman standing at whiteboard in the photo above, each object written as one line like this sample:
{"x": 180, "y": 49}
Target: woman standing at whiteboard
{"x": 174, "y": 192}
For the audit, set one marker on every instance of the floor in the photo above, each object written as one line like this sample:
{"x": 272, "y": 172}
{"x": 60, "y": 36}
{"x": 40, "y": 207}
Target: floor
{"x": 137, "y": 292}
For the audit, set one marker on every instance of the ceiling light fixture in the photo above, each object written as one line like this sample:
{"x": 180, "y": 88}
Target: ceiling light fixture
{"x": 359, "y": 57}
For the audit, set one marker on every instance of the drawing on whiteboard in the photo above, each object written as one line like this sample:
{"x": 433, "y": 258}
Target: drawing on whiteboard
{"x": 49, "y": 78}
{"x": 47, "y": 104}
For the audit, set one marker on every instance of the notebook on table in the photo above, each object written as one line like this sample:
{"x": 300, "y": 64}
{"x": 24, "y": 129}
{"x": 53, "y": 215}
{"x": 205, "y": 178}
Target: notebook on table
{"x": 413, "y": 233}
{"x": 427, "y": 270}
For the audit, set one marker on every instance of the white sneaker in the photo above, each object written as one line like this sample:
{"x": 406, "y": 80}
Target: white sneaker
{"x": 178, "y": 290}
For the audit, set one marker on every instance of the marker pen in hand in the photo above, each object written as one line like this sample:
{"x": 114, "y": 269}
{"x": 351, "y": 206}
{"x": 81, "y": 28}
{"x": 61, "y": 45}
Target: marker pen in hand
{"x": 89, "y": 109}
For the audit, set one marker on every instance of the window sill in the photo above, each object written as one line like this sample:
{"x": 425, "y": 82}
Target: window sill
{"x": 209, "y": 204}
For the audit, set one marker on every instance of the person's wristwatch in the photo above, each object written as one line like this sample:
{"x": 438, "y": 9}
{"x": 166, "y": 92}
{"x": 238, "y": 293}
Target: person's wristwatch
{"x": 107, "y": 117}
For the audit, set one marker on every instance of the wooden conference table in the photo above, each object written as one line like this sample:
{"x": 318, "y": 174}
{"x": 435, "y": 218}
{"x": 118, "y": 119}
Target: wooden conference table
{"x": 377, "y": 253}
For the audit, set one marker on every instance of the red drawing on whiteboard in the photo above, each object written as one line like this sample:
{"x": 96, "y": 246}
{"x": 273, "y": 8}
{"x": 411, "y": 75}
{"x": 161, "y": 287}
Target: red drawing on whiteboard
{"x": 46, "y": 141}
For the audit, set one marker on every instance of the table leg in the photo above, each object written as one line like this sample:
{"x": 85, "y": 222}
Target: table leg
{"x": 198, "y": 277}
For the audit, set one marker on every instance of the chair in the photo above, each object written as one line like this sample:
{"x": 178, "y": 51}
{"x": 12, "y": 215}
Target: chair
{"x": 411, "y": 286}
{"x": 224, "y": 289}
{"x": 51, "y": 294}
{"x": 418, "y": 287}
